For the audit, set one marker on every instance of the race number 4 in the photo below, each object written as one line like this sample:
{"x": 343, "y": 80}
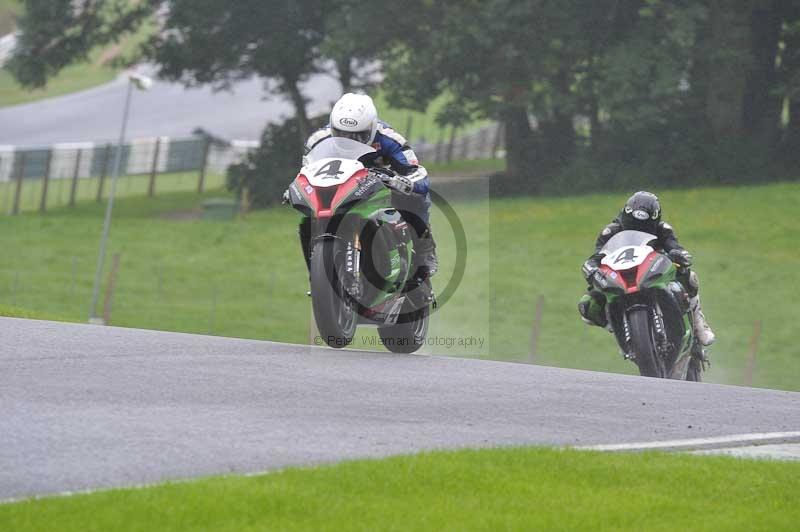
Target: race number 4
{"x": 330, "y": 170}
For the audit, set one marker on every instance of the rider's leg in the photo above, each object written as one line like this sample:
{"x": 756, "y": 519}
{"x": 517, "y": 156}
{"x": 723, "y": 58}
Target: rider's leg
{"x": 701, "y": 327}
{"x": 416, "y": 212}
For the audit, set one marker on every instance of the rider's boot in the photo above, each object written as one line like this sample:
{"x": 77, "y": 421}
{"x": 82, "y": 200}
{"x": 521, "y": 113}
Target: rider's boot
{"x": 701, "y": 328}
{"x": 425, "y": 260}
{"x": 592, "y": 312}
{"x": 304, "y": 232}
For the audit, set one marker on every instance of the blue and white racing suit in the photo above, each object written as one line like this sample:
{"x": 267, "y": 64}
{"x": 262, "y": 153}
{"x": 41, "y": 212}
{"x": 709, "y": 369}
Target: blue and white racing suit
{"x": 392, "y": 150}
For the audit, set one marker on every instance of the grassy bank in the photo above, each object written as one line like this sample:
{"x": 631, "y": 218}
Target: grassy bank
{"x": 246, "y": 278}
{"x": 509, "y": 489}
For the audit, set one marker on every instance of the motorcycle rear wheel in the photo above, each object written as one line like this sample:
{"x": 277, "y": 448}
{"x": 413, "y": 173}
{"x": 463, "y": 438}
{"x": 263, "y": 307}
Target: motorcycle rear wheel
{"x": 334, "y": 311}
{"x": 643, "y": 345}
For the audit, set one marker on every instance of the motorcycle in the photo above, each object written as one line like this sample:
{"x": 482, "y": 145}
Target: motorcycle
{"x": 647, "y": 308}
{"x": 361, "y": 250}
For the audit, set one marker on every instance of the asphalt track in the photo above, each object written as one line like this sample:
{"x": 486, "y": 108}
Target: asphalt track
{"x": 87, "y": 407}
{"x": 167, "y": 109}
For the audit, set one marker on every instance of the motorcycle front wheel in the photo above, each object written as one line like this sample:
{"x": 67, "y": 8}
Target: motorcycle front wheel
{"x": 334, "y": 311}
{"x": 408, "y": 335}
{"x": 642, "y": 344}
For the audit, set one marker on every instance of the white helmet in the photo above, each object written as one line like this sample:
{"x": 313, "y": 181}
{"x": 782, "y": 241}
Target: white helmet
{"x": 355, "y": 117}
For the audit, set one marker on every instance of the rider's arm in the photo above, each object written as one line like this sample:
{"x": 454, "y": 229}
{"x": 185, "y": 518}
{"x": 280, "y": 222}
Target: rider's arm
{"x": 593, "y": 262}
{"x": 669, "y": 242}
{"x": 605, "y": 235}
{"x": 666, "y": 237}
{"x": 402, "y": 159}
{"x": 317, "y": 137}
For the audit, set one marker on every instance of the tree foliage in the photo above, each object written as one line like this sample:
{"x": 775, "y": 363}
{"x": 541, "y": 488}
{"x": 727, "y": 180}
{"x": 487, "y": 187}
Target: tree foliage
{"x": 57, "y": 33}
{"x": 672, "y": 88}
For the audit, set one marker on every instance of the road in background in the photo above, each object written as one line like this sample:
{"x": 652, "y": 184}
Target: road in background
{"x": 89, "y": 407}
{"x": 168, "y": 109}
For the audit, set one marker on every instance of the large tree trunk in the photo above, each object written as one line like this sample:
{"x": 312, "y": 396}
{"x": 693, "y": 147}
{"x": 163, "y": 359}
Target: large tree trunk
{"x": 790, "y": 76}
{"x": 728, "y": 60}
{"x": 762, "y": 107}
{"x": 519, "y": 140}
{"x": 792, "y": 138}
{"x": 344, "y": 66}
{"x": 299, "y": 103}
{"x": 559, "y": 130}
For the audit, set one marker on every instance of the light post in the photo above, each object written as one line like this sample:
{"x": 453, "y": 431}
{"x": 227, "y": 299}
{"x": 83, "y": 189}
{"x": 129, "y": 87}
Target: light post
{"x": 143, "y": 83}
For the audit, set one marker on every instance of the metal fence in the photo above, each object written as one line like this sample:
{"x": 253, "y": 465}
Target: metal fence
{"x": 65, "y": 173}
{"x": 62, "y": 174}
{"x": 484, "y": 143}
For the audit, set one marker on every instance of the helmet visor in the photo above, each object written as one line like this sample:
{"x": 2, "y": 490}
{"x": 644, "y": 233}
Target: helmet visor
{"x": 358, "y": 136}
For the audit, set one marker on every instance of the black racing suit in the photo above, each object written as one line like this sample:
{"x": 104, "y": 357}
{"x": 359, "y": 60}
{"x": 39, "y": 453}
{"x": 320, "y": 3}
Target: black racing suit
{"x": 667, "y": 241}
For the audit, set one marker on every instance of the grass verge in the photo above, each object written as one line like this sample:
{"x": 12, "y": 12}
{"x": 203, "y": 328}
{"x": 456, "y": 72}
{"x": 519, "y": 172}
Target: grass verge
{"x": 499, "y": 489}
{"x": 13, "y": 312}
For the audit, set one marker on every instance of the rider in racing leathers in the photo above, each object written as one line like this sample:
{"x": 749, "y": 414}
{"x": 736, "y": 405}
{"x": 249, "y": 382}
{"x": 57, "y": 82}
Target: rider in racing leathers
{"x": 642, "y": 212}
{"x": 355, "y": 117}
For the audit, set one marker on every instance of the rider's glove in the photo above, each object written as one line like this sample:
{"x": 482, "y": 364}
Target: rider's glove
{"x": 589, "y": 268}
{"x": 382, "y": 173}
{"x": 285, "y": 198}
{"x": 681, "y": 257}
{"x": 396, "y": 182}
{"x": 401, "y": 184}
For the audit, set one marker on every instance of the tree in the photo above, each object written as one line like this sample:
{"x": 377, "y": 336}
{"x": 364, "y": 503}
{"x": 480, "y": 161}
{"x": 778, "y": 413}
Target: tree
{"x": 213, "y": 42}
{"x": 518, "y": 62}
{"x": 57, "y": 33}
{"x": 205, "y": 41}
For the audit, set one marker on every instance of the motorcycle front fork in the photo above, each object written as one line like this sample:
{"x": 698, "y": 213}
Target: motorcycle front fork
{"x": 660, "y": 334}
{"x": 353, "y": 266}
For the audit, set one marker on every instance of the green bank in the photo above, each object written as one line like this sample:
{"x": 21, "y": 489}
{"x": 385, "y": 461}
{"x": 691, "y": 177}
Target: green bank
{"x": 245, "y": 277}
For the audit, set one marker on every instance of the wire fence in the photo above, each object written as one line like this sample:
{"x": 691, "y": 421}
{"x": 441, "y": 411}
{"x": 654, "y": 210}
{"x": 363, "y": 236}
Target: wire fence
{"x": 40, "y": 178}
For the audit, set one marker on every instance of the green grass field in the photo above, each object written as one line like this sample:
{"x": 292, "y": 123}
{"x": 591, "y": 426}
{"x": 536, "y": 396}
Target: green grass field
{"x": 245, "y": 277}
{"x": 418, "y": 126}
{"x": 500, "y": 489}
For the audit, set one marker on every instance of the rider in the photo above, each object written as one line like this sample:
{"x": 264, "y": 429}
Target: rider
{"x": 355, "y": 117}
{"x": 642, "y": 212}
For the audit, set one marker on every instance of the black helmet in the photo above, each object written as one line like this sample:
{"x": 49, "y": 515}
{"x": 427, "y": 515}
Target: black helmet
{"x": 642, "y": 212}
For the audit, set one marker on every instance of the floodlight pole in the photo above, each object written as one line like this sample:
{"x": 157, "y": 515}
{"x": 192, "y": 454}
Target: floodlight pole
{"x": 93, "y": 318}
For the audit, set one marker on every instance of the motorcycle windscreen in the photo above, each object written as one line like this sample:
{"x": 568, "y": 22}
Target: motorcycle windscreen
{"x": 627, "y": 239}
{"x": 338, "y": 148}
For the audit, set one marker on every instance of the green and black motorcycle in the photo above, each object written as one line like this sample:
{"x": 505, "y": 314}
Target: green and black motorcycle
{"x": 361, "y": 250}
{"x": 648, "y": 309}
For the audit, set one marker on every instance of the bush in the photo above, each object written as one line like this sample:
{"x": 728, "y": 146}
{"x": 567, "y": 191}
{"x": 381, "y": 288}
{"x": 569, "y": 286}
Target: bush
{"x": 265, "y": 174}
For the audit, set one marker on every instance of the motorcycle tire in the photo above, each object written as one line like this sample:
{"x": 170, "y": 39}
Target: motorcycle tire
{"x": 408, "y": 335}
{"x": 334, "y": 311}
{"x": 642, "y": 344}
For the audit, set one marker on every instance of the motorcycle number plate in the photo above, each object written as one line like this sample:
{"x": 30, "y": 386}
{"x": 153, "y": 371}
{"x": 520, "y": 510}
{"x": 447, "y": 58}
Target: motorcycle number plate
{"x": 330, "y": 172}
{"x": 627, "y": 257}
